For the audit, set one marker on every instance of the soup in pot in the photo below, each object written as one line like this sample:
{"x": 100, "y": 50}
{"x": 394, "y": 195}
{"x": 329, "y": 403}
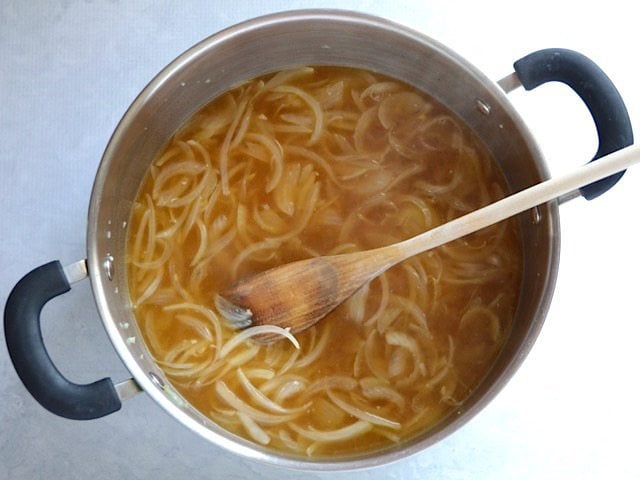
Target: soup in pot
{"x": 309, "y": 162}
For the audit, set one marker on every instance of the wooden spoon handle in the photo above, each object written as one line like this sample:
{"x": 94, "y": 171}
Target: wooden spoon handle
{"x": 513, "y": 204}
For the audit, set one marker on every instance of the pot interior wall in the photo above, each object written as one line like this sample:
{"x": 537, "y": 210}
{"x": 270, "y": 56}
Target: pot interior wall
{"x": 314, "y": 38}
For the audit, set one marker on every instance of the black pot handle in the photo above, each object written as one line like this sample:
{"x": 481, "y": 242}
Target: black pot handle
{"x": 30, "y": 358}
{"x": 596, "y": 90}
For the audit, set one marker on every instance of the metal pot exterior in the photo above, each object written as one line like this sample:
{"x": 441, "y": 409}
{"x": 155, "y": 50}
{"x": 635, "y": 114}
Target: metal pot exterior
{"x": 275, "y": 42}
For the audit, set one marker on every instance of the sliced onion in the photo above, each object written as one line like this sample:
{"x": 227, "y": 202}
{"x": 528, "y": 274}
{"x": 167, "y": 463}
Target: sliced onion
{"x": 243, "y": 357}
{"x": 439, "y": 189}
{"x": 158, "y": 262}
{"x": 174, "y": 224}
{"x": 369, "y": 136}
{"x": 291, "y": 129}
{"x": 398, "y": 107}
{"x": 311, "y": 198}
{"x": 289, "y": 442}
{"x": 377, "y": 90}
{"x": 473, "y": 319}
{"x": 363, "y": 414}
{"x": 300, "y": 120}
{"x": 254, "y": 331}
{"x": 289, "y": 363}
{"x": 277, "y": 382}
{"x": 351, "y": 431}
{"x": 214, "y": 249}
{"x": 355, "y": 96}
{"x": 253, "y": 429}
{"x": 268, "y": 219}
{"x": 398, "y": 362}
{"x": 387, "y": 434}
{"x": 314, "y": 157}
{"x": 315, "y": 108}
{"x": 317, "y": 350}
{"x": 437, "y": 378}
{"x": 311, "y": 449}
{"x": 172, "y": 200}
{"x": 407, "y": 173}
{"x": 285, "y": 76}
{"x": 202, "y": 244}
{"x": 151, "y": 288}
{"x": 136, "y": 251}
{"x": 384, "y": 300}
{"x": 226, "y": 146}
{"x": 151, "y": 234}
{"x": 413, "y": 311}
{"x": 225, "y": 418}
{"x": 277, "y": 157}
{"x": 243, "y": 127}
{"x": 269, "y": 244}
{"x": 375, "y": 389}
{"x": 201, "y": 150}
{"x": 261, "y": 417}
{"x": 401, "y": 339}
{"x": 357, "y": 304}
{"x": 262, "y": 400}
{"x": 261, "y": 373}
{"x": 171, "y": 153}
{"x": 332, "y": 95}
{"x": 371, "y": 357}
{"x": 285, "y": 191}
{"x": 184, "y": 349}
{"x": 208, "y": 314}
{"x": 183, "y": 295}
{"x": 215, "y": 371}
{"x": 335, "y": 382}
{"x": 215, "y": 123}
{"x": 186, "y": 168}
{"x": 289, "y": 390}
{"x": 388, "y": 317}
{"x": 358, "y": 363}
{"x": 195, "y": 324}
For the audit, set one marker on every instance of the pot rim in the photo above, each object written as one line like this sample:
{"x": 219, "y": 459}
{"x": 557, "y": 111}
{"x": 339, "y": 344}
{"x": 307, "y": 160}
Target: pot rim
{"x": 99, "y": 281}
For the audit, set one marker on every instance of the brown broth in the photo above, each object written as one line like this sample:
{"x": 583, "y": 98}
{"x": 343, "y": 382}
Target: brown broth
{"x": 386, "y": 163}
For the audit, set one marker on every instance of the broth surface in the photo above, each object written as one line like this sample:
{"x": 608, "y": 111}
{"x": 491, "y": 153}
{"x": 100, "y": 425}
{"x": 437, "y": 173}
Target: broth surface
{"x": 310, "y": 162}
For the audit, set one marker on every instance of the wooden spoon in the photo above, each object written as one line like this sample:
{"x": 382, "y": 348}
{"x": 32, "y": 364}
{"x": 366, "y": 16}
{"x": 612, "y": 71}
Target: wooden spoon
{"x": 297, "y": 295}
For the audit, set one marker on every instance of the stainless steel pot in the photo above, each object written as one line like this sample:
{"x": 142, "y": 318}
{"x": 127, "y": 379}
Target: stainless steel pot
{"x": 272, "y": 43}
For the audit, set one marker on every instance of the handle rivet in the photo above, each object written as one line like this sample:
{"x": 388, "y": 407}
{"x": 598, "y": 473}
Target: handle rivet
{"x": 483, "y": 107}
{"x": 107, "y": 265}
{"x": 156, "y": 380}
{"x": 536, "y": 216}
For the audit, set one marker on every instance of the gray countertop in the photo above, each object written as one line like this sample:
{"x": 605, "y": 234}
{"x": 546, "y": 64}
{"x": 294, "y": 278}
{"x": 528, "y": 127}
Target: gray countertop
{"x": 68, "y": 71}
